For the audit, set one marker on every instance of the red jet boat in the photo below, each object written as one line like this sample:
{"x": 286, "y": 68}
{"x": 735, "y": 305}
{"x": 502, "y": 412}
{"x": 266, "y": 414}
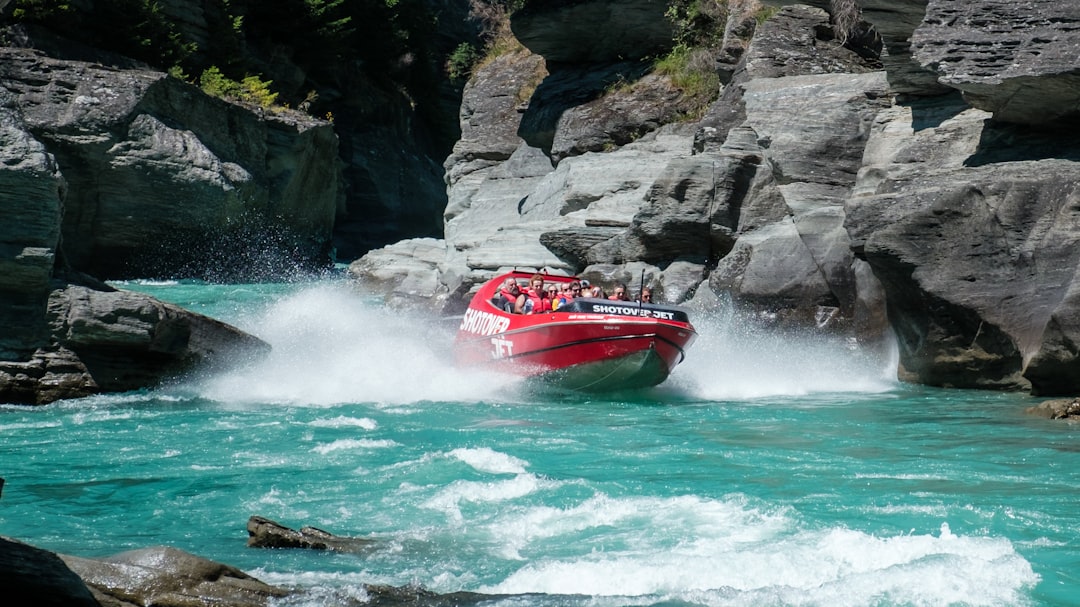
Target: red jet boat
{"x": 589, "y": 344}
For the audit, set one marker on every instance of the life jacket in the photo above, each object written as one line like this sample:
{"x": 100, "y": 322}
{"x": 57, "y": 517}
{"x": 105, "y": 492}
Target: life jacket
{"x": 539, "y": 302}
{"x": 562, "y": 300}
{"x": 509, "y": 299}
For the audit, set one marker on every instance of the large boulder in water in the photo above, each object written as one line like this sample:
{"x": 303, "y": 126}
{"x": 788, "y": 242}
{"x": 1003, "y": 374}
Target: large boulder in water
{"x": 168, "y": 577}
{"x": 977, "y": 246}
{"x": 100, "y": 339}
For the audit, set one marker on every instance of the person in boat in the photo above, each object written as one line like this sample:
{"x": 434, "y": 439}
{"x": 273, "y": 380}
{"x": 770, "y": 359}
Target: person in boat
{"x": 536, "y": 301}
{"x": 597, "y": 291}
{"x": 619, "y": 293}
{"x": 570, "y": 291}
{"x": 646, "y": 295}
{"x": 510, "y": 298}
{"x": 552, "y": 293}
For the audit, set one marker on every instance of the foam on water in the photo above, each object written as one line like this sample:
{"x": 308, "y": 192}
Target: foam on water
{"x": 735, "y": 552}
{"x": 342, "y": 421}
{"x": 354, "y": 443}
{"x": 488, "y": 460}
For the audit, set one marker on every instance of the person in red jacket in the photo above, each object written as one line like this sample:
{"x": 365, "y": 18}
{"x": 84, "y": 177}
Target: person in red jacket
{"x": 569, "y": 291}
{"x": 537, "y": 301}
{"x": 510, "y": 298}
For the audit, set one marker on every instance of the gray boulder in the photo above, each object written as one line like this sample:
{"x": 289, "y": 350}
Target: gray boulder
{"x": 265, "y": 533}
{"x": 168, "y": 577}
{"x": 103, "y": 340}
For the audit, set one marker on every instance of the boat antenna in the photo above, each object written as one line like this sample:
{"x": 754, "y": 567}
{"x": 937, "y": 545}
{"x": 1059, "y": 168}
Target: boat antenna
{"x": 641, "y": 290}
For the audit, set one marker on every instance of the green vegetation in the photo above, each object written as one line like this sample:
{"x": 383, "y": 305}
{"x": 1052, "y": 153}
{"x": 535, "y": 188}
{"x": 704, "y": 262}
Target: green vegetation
{"x": 698, "y": 23}
{"x": 251, "y": 89}
{"x": 460, "y": 64}
{"x": 763, "y": 14}
{"x": 40, "y": 10}
{"x": 335, "y": 42}
{"x": 692, "y": 71}
{"x": 698, "y": 34}
{"x": 497, "y": 39}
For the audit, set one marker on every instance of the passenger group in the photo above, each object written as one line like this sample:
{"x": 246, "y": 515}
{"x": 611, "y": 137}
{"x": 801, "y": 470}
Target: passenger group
{"x": 537, "y": 298}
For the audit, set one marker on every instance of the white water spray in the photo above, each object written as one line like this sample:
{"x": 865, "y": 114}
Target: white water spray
{"x": 331, "y": 347}
{"x": 738, "y": 358}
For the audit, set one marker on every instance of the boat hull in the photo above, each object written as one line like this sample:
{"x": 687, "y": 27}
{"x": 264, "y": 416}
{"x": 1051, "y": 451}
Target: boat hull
{"x": 584, "y": 353}
{"x": 598, "y": 346}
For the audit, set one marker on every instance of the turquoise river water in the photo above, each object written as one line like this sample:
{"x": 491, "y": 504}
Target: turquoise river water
{"x": 769, "y": 470}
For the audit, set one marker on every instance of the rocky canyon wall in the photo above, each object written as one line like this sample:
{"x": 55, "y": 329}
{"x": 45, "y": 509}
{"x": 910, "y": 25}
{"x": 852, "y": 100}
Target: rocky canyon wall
{"x": 916, "y": 175}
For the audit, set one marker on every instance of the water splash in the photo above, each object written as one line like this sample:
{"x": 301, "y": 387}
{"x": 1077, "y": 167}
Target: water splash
{"x": 735, "y": 358}
{"x": 330, "y": 346}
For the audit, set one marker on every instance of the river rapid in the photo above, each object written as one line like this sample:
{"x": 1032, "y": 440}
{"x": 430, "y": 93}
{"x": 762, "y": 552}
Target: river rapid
{"x": 768, "y": 470}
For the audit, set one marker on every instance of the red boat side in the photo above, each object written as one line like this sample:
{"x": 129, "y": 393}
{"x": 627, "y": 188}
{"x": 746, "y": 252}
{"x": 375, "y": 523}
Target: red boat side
{"x": 592, "y": 344}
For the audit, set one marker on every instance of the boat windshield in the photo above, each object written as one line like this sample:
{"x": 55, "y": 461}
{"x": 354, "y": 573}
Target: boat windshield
{"x": 625, "y": 308}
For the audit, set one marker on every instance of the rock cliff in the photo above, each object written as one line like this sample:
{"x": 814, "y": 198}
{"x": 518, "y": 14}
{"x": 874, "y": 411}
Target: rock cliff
{"x": 163, "y": 180}
{"x": 97, "y": 176}
{"x": 909, "y": 170}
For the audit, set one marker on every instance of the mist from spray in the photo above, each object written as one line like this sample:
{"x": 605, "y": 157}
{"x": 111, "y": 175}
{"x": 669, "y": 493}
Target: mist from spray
{"x": 740, "y": 358}
{"x": 331, "y": 345}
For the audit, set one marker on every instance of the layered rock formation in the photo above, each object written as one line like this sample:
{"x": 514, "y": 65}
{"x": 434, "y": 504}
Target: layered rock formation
{"x": 861, "y": 180}
{"x": 165, "y": 180}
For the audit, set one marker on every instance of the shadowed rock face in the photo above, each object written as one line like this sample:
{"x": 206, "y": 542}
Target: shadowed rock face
{"x": 31, "y": 191}
{"x": 124, "y": 172}
{"x": 161, "y": 179}
{"x": 594, "y": 31}
{"x": 39, "y": 577}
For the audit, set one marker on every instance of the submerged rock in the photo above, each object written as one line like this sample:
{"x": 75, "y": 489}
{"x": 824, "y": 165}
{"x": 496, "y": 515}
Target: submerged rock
{"x": 1060, "y": 408}
{"x": 265, "y": 533}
